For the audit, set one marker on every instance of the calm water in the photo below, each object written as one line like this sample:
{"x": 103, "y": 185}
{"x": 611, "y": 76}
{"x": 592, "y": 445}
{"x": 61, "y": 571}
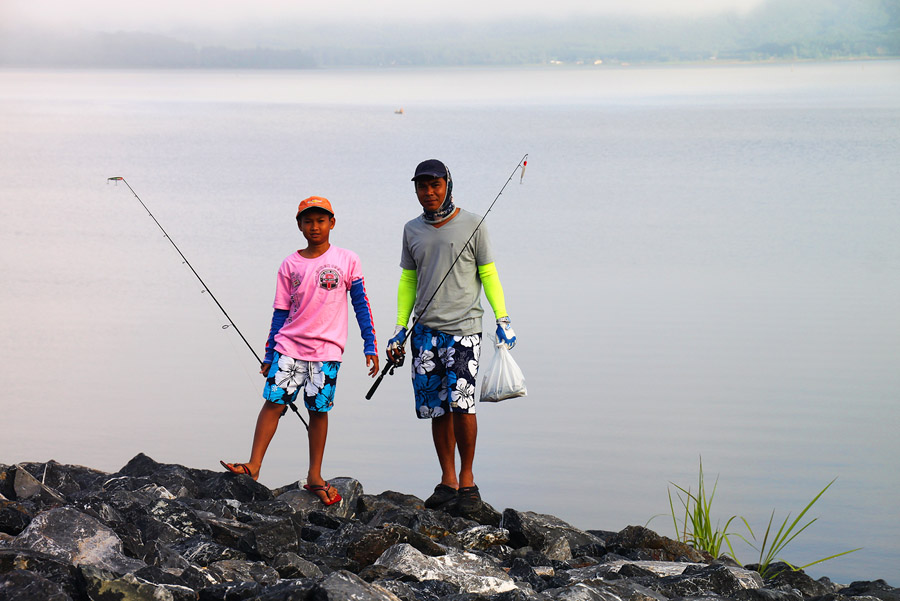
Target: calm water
{"x": 699, "y": 262}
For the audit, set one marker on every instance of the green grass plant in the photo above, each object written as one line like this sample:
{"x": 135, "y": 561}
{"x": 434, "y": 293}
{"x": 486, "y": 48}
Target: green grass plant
{"x": 770, "y": 550}
{"x": 696, "y": 528}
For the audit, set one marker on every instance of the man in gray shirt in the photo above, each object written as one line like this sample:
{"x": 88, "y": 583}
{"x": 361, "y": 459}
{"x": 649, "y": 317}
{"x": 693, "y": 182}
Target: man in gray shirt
{"x": 445, "y": 292}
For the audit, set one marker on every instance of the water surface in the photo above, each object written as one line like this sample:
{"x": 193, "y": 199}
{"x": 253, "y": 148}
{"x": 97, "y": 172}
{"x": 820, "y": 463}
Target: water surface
{"x": 698, "y": 262}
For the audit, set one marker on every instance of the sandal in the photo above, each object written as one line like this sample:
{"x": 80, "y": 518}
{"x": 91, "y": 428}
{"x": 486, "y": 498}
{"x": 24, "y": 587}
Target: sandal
{"x": 469, "y": 499}
{"x": 442, "y": 495}
{"x": 238, "y": 468}
{"x": 317, "y": 488}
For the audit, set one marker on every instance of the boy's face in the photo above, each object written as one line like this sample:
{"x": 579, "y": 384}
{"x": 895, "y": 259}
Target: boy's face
{"x": 431, "y": 193}
{"x": 316, "y": 225}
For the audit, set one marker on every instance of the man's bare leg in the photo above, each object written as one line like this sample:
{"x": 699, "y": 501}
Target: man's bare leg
{"x": 445, "y": 444}
{"x": 465, "y": 428}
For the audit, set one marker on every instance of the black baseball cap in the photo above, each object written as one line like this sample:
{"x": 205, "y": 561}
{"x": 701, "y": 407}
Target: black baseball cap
{"x": 430, "y": 168}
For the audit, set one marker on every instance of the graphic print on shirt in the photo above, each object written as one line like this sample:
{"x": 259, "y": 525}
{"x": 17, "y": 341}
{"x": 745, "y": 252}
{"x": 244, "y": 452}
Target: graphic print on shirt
{"x": 329, "y": 278}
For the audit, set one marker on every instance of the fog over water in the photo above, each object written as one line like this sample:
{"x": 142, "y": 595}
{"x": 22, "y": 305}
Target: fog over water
{"x": 698, "y": 262}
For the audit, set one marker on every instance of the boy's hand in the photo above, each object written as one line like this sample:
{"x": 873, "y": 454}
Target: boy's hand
{"x": 372, "y": 364}
{"x": 264, "y": 368}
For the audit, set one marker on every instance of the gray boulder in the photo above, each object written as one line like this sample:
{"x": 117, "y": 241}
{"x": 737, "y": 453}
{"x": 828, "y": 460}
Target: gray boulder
{"x": 546, "y": 534}
{"x": 73, "y": 537}
{"x": 470, "y": 572}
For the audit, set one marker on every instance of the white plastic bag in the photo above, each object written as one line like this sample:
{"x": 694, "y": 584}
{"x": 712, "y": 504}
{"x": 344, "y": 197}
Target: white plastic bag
{"x": 503, "y": 378}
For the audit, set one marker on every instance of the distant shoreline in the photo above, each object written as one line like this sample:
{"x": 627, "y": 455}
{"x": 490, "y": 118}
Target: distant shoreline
{"x": 547, "y": 66}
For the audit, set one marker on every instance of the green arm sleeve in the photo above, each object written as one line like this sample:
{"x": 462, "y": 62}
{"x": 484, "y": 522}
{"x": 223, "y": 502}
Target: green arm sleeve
{"x": 406, "y": 295}
{"x": 490, "y": 280}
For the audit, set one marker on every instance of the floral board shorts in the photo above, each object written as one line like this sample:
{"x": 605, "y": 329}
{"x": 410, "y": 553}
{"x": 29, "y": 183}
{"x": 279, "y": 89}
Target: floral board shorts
{"x": 289, "y": 377}
{"x": 444, "y": 371}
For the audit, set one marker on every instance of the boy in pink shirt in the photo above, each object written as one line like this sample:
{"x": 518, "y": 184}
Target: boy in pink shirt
{"x": 307, "y": 338}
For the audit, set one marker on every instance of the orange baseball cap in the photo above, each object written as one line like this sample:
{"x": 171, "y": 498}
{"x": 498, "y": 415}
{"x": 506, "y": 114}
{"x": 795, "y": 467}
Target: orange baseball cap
{"x": 315, "y": 202}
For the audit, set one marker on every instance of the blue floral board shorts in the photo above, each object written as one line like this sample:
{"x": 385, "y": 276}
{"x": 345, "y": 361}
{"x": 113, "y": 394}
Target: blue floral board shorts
{"x": 289, "y": 378}
{"x": 444, "y": 371}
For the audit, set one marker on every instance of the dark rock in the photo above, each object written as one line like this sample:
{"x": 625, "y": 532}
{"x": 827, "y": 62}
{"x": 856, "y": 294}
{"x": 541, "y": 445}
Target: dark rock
{"x": 659, "y": 548}
{"x": 482, "y": 538}
{"x": 22, "y": 585}
{"x": 7, "y": 475}
{"x": 269, "y": 538}
{"x": 290, "y": 590}
{"x": 872, "y": 588}
{"x": 783, "y": 575}
{"x": 323, "y": 520}
{"x": 74, "y": 537}
{"x": 372, "y": 544}
{"x": 718, "y": 580}
{"x": 469, "y": 572}
{"x": 27, "y": 487}
{"x": 768, "y": 594}
{"x": 533, "y": 557}
{"x": 436, "y": 525}
{"x": 290, "y": 565}
{"x": 101, "y": 585}
{"x": 14, "y": 516}
{"x": 203, "y": 551}
{"x": 243, "y": 571}
{"x": 390, "y": 498}
{"x": 545, "y": 533}
{"x": 157, "y": 575}
{"x": 226, "y": 531}
{"x": 177, "y": 479}
{"x": 521, "y": 571}
{"x": 485, "y": 515}
{"x": 403, "y": 591}
{"x": 63, "y": 574}
{"x": 304, "y": 501}
{"x": 69, "y": 480}
{"x": 340, "y": 586}
{"x": 241, "y": 487}
{"x": 230, "y": 591}
{"x": 168, "y": 532}
{"x": 431, "y": 590}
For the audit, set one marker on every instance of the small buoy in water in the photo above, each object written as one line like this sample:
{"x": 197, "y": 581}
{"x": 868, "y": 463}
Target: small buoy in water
{"x": 399, "y": 111}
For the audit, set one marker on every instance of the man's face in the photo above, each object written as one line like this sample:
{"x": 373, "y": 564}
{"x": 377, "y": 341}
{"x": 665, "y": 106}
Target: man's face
{"x": 316, "y": 225}
{"x": 431, "y": 193}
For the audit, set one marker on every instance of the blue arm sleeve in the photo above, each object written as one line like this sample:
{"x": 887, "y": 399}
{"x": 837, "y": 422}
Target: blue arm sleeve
{"x": 279, "y": 316}
{"x": 364, "y": 316}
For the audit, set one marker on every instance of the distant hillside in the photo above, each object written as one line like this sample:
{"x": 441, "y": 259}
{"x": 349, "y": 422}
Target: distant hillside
{"x": 778, "y": 30}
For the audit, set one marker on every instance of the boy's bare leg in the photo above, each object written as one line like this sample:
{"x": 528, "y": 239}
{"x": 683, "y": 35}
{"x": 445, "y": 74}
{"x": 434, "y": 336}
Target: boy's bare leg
{"x": 318, "y": 433}
{"x": 444, "y": 436}
{"x": 266, "y": 424}
{"x": 465, "y": 427}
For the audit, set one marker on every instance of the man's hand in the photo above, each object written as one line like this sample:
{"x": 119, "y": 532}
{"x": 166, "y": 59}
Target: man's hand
{"x": 395, "y": 349}
{"x": 264, "y": 368}
{"x": 505, "y": 333}
{"x": 372, "y": 364}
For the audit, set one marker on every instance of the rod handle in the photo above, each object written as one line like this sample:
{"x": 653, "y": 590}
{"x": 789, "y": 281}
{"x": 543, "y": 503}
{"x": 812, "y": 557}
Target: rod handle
{"x": 389, "y": 367}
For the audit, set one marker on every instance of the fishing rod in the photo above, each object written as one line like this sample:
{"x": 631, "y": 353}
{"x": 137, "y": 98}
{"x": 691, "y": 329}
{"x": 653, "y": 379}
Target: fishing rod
{"x": 391, "y": 364}
{"x": 205, "y": 287}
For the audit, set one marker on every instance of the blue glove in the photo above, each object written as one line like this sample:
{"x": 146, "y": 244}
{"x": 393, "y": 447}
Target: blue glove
{"x": 395, "y": 344}
{"x": 505, "y": 333}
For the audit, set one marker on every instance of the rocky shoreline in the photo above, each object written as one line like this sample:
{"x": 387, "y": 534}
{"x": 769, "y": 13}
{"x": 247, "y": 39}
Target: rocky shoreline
{"x": 166, "y": 532}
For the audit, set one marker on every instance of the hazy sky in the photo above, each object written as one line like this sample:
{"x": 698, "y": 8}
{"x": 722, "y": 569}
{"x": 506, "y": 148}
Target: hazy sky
{"x": 116, "y": 14}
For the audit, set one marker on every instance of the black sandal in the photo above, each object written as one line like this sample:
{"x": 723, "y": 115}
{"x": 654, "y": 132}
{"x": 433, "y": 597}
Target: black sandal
{"x": 469, "y": 499}
{"x": 442, "y": 495}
